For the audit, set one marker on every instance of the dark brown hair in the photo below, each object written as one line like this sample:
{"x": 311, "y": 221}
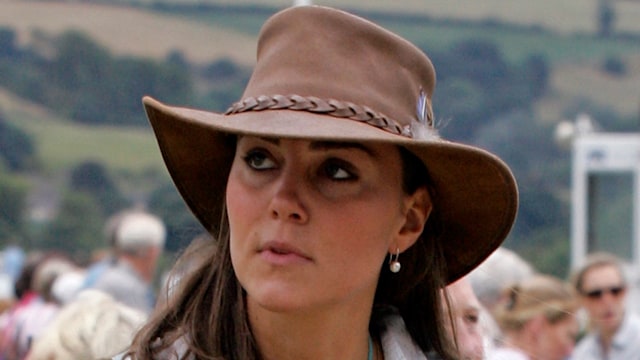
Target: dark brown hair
{"x": 207, "y": 313}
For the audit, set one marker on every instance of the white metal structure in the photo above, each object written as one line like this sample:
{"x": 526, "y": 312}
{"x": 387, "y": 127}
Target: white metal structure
{"x": 593, "y": 153}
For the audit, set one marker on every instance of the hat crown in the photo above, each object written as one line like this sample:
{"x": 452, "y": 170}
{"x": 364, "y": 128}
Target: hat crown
{"x": 302, "y": 51}
{"x": 358, "y": 79}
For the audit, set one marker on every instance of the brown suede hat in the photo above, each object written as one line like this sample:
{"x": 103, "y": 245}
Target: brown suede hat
{"x": 325, "y": 74}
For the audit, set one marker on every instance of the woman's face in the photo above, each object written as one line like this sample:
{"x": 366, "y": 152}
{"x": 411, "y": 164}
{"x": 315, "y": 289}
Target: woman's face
{"x": 557, "y": 340}
{"x": 312, "y": 221}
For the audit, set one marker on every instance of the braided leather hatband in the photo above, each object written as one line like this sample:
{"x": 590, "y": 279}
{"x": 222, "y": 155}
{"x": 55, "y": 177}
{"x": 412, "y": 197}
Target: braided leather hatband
{"x": 331, "y": 107}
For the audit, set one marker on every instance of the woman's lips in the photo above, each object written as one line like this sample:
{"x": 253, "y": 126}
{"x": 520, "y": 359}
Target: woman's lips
{"x": 283, "y": 254}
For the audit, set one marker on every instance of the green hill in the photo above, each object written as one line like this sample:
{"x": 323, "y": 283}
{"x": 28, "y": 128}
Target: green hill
{"x": 62, "y": 144}
{"x": 127, "y": 30}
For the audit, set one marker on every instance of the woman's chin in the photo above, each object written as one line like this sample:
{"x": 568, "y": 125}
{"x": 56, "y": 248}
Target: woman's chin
{"x": 276, "y": 299}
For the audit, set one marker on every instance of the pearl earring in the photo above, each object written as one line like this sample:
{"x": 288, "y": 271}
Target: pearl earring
{"x": 394, "y": 264}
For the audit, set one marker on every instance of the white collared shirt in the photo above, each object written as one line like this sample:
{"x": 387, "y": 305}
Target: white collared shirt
{"x": 625, "y": 344}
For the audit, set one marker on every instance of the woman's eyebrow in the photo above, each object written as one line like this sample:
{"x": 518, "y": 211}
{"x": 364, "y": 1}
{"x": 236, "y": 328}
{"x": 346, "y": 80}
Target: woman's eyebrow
{"x": 327, "y": 145}
{"x": 272, "y": 140}
{"x": 330, "y": 145}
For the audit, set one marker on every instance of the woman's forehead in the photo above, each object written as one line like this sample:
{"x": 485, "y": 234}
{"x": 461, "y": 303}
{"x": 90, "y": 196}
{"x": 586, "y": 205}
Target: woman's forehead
{"x": 373, "y": 149}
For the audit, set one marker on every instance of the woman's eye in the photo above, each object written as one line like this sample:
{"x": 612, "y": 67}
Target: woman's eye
{"x": 472, "y": 318}
{"x": 337, "y": 171}
{"x": 259, "y": 160}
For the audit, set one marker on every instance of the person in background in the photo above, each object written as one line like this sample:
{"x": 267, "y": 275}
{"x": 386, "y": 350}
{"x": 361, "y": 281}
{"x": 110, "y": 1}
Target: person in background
{"x": 37, "y": 307}
{"x": 338, "y": 212}
{"x": 25, "y": 295}
{"x": 11, "y": 262}
{"x": 103, "y": 258}
{"x": 67, "y": 285}
{"x": 91, "y": 326}
{"x": 502, "y": 268}
{"x": 538, "y": 320}
{"x": 13, "y": 258}
{"x": 465, "y": 310}
{"x": 614, "y": 332}
{"x": 138, "y": 244}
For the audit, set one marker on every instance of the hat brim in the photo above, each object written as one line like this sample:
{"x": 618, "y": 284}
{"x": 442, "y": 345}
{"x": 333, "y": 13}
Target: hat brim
{"x": 477, "y": 194}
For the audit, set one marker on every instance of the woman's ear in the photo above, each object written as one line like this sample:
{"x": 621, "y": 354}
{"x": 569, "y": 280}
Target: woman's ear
{"x": 417, "y": 209}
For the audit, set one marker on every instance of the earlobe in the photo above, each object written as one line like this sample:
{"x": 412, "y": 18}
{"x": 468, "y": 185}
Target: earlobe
{"x": 418, "y": 208}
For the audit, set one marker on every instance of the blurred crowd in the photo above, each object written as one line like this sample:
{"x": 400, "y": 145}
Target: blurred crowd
{"x": 507, "y": 310}
{"x": 51, "y": 308}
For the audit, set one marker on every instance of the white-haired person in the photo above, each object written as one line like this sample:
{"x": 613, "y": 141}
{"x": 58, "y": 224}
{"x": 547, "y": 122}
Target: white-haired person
{"x": 502, "y": 268}
{"x": 91, "y": 326}
{"x": 338, "y": 212}
{"x": 139, "y": 240}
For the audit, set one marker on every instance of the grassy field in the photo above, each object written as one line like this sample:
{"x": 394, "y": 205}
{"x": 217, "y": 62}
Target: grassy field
{"x": 562, "y": 16}
{"x": 133, "y": 31}
{"x": 128, "y": 31}
{"x": 517, "y": 42}
{"x": 571, "y": 82}
{"x": 62, "y": 144}
{"x": 517, "y": 45}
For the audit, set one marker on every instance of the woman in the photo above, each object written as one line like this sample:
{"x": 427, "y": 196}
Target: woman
{"x": 538, "y": 320}
{"x": 328, "y": 164}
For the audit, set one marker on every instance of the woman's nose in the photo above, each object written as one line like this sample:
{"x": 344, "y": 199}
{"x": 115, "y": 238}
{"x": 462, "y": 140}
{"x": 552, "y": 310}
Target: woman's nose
{"x": 287, "y": 203}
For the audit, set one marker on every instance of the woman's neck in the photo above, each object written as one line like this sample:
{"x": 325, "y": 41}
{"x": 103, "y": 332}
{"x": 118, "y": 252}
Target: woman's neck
{"x": 335, "y": 334}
